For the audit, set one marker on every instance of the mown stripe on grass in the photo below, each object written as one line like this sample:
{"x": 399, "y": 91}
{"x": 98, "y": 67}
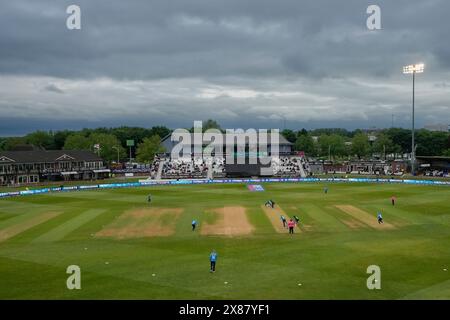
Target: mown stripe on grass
{"x": 94, "y": 195}
{"x": 67, "y": 227}
{"x": 14, "y": 215}
{"x": 18, "y": 205}
{"x": 6, "y": 215}
{"x": 440, "y": 291}
{"x": 325, "y": 221}
{"x": 388, "y": 214}
{"x": 35, "y": 220}
{"x": 346, "y": 219}
{"x": 141, "y": 223}
{"x": 364, "y": 217}
{"x": 306, "y": 222}
{"x": 414, "y": 216}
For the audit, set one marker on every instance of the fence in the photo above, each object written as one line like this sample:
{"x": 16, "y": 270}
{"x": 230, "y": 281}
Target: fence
{"x": 145, "y": 183}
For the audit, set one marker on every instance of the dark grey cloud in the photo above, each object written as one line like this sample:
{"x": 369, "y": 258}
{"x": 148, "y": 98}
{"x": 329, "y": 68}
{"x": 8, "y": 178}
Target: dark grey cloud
{"x": 53, "y": 88}
{"x": 243, "y": 62}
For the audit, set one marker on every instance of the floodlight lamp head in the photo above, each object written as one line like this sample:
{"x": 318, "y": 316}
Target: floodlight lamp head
{"x": 414, "y": 68}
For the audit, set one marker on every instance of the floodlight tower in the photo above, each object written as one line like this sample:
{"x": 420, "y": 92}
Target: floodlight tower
{"x": 413, "y": 69}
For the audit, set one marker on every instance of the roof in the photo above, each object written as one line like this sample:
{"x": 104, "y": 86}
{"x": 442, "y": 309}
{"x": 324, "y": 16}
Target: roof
{"x": 281, "y": 139}
{"x": 433, "y": 158}
{"x": 25, "y": 147}
{"x": 48, "y": 156}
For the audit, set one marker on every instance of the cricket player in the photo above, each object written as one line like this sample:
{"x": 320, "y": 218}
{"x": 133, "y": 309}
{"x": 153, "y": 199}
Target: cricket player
{"x": 297, "y": 219}
{"x": 325, "y": 190}
{"x": 379, "y": 217}
{"x": 283, "y": 220}
{"x": 149, "y": 198}
{"x": 291, "y": 225}
{"x": 393, "y": 199}
{"x": 270, "y": 203}
{"x": 213, "y": 260}
{"x": 194, "y": 224}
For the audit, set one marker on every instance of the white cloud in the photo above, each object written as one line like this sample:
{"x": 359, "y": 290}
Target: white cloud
{"x": 191, "y": 99}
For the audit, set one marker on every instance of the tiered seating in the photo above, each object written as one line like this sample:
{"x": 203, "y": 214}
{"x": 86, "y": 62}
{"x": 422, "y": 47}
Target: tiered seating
{"x": 288, "y": 166}
{"x": 305, "y": 164}
{"x": 185, "y": 168}
{"x": 155, "y": 166}
{"x": 218, "y": 166}
{"x": 198, "y": 167}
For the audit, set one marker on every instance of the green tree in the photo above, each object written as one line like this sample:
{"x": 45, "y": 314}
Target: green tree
{"x": 60, "y": 138}
{"x": 148, "y": 148}
{"x": 211, "y": 124}
{"x": 208, "y": 124}
{"x": 400, "y": 137}
{"x": 333, "y": 145}
{"x": 2, "y": 143}
{"x": 41, "y": 139}
{"x": 161, "y": 131}
{"x": 13, "y": 142}
{"x": 290, "y": 135}
{"x": 130, "y": 133}
{"x": 431, "y": 143}
{"x": 360, "y": 145}
{"x": 108, "y": 146}
{"x": 356, "y": 132}
{"x": 302, "y": 132}
{"x": 331, "y": 131}
{"x": 77, "y": 141}
{"x": 305, "y": 143}
{"x": 384, "y": 145}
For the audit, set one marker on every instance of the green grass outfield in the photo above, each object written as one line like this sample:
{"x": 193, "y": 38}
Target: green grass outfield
{"x": 41, "y": 235}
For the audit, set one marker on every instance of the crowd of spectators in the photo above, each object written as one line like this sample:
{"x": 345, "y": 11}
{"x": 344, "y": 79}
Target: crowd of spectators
{"x": 198, "y": 167}
{"x": 436, "y": 173}
{"x": 185, "y": 168}
{"x": 288, "y": 166}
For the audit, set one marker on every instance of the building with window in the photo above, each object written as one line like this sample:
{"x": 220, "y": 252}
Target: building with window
{"x": 24, "y": 167}
{"x": 231, "y": 144}
{"x": 433, "y": 166}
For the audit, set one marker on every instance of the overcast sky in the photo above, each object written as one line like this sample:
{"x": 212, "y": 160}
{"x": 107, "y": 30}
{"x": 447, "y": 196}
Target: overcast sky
{"x": 260, "y": 64}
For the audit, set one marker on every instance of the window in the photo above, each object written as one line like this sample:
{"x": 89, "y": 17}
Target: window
{"x": 22, "y": 179}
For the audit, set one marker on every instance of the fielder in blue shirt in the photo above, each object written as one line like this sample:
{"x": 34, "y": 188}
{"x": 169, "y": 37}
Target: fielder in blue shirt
{"x": 213, "y": 259}
{"x": 379, "y": 217}
{"x": 194, "y": 224}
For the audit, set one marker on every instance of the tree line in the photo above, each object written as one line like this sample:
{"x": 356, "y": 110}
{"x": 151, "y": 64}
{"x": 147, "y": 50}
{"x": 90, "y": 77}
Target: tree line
{"x": 334, "y": 143}
{"x": 340, "y": 143}
{"x": 111, "y": 142}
